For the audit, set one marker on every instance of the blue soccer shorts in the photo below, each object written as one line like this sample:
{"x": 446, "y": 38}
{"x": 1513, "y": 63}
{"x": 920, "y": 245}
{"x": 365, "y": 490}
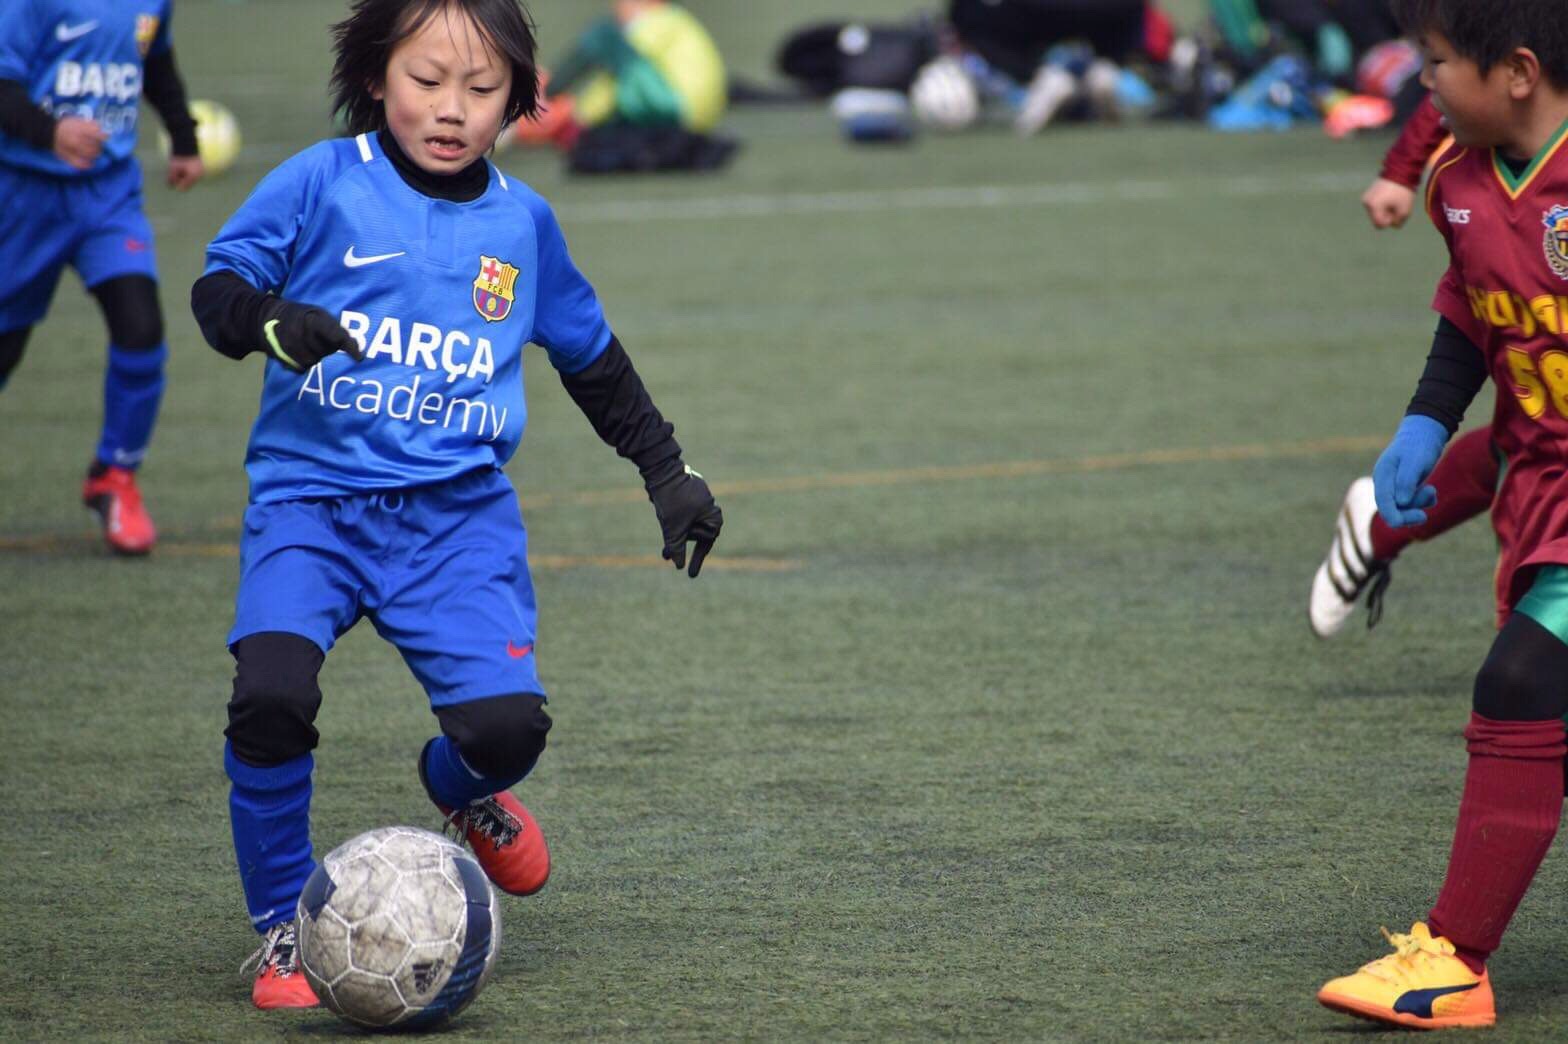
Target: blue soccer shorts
{"x": 441, "y": 571}
{"x": 93, "y": 223}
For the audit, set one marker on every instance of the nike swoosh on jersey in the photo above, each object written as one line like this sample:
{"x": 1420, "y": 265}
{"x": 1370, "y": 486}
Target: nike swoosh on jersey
{"x": 66, "y": 33}
{"x": 360, "y": 262}
{"x": 517, "y": 652}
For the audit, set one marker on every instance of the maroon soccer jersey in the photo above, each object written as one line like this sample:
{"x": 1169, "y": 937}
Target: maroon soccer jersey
{"x": 1507, "y": 288}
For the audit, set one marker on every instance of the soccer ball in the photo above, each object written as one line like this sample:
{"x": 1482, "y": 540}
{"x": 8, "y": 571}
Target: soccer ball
{"x": 217, "y": 136}
{"x": 397, "y": 927}
{"x": 944, "y": 96}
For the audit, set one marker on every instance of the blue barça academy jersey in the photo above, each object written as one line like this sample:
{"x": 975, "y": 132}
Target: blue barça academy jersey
{"x": 80, "y": 58}
{"x": 441, "y": 296}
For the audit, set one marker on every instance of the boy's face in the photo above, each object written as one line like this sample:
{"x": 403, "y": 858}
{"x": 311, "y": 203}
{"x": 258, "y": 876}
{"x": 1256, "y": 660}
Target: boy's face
{"x": 445, "y": 93}
{"x": 1478, "y": 107}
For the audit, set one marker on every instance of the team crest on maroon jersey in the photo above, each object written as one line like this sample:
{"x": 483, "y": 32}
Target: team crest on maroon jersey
{"x": 1556, "y": 222}
{"x": 493, "y": 288}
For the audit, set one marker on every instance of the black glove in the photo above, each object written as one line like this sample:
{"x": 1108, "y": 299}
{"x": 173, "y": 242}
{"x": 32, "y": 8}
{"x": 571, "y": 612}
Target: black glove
{"x": 299, "y": 336}
{"x": 686, "y": 511}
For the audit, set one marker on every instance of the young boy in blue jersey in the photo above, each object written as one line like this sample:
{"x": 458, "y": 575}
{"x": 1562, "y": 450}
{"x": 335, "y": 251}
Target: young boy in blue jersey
{"x": 391, "y": 280}
{"x": 71, "y": 74}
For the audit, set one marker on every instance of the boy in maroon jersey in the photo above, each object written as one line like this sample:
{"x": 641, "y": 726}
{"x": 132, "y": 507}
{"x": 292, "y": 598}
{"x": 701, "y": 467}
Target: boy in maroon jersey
{"x": 1499, "y": 196}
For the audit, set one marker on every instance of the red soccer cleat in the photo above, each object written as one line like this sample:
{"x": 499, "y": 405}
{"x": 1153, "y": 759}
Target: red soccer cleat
{"x": 279, "y": 981}
{"x": 506, "y": 841}
{"x": 126, "y": 525}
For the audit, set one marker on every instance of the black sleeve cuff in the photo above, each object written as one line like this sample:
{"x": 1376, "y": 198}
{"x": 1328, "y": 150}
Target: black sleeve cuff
{"x": 164, "y": 90}
{"x": 21, "y": 117}
{"x": 616, "y": 403}
{"x": 1455, "y": 371}
{"x": 230, "y": 313}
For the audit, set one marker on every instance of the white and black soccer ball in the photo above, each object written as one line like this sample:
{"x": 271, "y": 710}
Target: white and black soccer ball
{"x": 945, "y": 96}
{"x": 398, "y": 927}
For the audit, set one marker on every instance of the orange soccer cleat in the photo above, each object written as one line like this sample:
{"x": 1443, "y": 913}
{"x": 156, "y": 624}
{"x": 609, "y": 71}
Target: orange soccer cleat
{"x": 279, "y": 981}
{"x": 1421, "y": 985}
{"x": 112, "y": 493}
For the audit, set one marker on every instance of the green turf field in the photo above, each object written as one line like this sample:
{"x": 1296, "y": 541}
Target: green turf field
{"x": 995, "y": 716}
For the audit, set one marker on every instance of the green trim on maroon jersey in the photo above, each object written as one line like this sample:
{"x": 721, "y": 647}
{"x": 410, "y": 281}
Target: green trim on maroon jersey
{"x": 1515, "y": 183}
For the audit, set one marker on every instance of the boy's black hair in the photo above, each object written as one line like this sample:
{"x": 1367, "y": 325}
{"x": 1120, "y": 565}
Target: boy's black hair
{"x": 366, "y": 38}
{"x": 1487, "y": 33}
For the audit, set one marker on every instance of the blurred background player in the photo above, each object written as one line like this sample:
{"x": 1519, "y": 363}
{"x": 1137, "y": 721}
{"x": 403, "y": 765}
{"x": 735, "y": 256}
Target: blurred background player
{"x": 1021, "y": 42}
{"x": 649, "y": 64}
{"x": 71, "y": 76}
{"x": 1500, "y": 75}
{"x": 392, "y": 280}
{"x": 1364, "y": 546}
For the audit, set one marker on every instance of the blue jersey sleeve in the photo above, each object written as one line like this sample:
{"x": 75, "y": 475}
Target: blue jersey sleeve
{"x": 257, "y": 243}
{"x": 20, "y": 37}
{"x": 163, "y": 39}
{"x": 568, "y": 320}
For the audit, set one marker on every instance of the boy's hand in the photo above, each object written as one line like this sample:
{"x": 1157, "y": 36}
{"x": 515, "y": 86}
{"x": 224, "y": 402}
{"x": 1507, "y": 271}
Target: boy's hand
{"x": 687, "y": 512}
{"x": 1398, "y": 476}
{"x": 299, "y": 336}
{"x": 1388, "y": 203}
{"x": 185, "y": 171}
{"x": 79, "y": 141}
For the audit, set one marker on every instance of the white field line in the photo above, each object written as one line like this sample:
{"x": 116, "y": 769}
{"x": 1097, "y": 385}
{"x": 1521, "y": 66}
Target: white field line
{"x": 960, "y": 197}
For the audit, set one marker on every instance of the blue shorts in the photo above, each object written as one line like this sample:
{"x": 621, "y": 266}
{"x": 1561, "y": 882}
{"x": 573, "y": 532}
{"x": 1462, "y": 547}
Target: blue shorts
{"x": 441, "y": 571}
{"x": 94, "y": 224}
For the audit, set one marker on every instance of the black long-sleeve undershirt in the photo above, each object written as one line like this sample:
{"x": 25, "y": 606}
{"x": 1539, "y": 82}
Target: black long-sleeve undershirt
{"x": 1455, "y": 371}
{"x": 22, "y": 119}
{"x": 165, "y": 91}
{"x": 613, "y": 398}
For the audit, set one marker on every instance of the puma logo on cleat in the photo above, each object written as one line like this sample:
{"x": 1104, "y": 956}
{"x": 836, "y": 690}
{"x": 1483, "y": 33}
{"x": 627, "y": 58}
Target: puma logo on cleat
{"x": 360, "y": 262}
{"x": 1419, "y": 1002}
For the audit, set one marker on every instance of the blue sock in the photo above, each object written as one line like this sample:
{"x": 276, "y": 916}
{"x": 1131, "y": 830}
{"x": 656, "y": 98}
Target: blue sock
{"x": 132, "y": 390}
{"x": 269, "y": 809}
{"x": 449, "y": 780}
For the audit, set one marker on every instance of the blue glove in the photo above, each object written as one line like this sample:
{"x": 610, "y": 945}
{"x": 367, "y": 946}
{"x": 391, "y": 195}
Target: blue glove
{"x": 1399, "y": 473}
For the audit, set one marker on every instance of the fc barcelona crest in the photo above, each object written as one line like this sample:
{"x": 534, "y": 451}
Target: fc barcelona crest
{"x": 1556, "y": 222}
{"x": 493, "y": 288}
{"x": 146, "y": 29}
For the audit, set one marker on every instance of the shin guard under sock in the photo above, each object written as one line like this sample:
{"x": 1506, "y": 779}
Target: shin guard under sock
{"x": 449, "y": 780}
{"x": 1513, "y": 800}
{"x": 269, "y": 810}
{"x": 132, "y": 391}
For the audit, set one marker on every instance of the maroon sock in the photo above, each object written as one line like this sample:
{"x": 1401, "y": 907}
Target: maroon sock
{"x": 1513, "y": 800}
{"x": 1466, "y": 481}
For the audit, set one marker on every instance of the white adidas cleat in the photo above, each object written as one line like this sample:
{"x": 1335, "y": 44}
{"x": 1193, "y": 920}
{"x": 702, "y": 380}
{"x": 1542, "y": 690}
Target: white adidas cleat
{"x": 1350, "y": 569}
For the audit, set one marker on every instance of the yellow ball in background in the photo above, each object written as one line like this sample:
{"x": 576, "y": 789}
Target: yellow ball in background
{"x": 217, "y": 136}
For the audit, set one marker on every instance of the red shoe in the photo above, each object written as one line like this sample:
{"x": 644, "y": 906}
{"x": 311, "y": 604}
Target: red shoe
{"x": 505, "y": 839}
{"x": 126, "y": 525}
{"x": 279, "y": 981}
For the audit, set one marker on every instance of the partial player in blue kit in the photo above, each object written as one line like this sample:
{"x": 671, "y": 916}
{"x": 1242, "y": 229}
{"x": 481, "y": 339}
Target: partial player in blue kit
{"x": 392, "y": 280}
{"x": 72, "y": 73}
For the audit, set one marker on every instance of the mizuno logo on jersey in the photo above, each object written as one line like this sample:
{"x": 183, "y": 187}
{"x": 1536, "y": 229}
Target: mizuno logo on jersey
{"x": 120, "y": 81}
{"x": 493, "y": 288}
